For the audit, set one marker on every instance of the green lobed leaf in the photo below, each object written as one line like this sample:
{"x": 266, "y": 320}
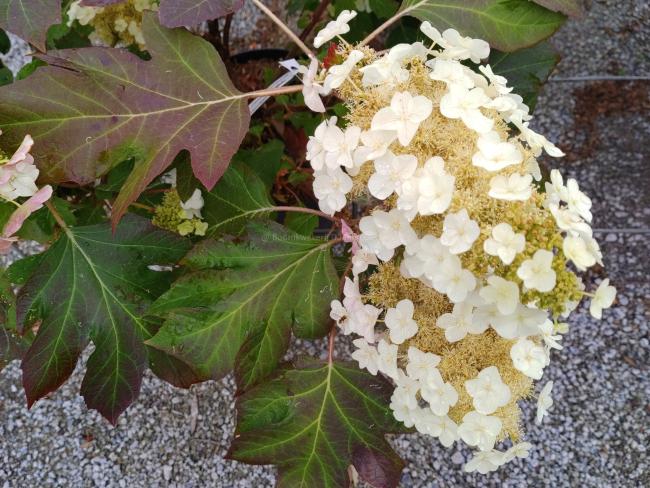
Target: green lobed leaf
{"x": 315, "y": 420}
{"x": 526, "y": 69}
{"x": 302, "y": 223}
{"x": 93, "y": 108}
{"x": 239, "y": 308}
{"x": 31, "y": 19}
{"x": 92, "y": 284}
{"x": 240, "y": 196}
{"x": 506, "y": 25}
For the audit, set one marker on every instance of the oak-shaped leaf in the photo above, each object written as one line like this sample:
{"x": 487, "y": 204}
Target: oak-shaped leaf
{"x": 94, "y": 285}
{"x": 506, "y": 25}
{"x": 178, "y": 13}
{"x": 526, "y": 69}
{"x": 31, "y": 19}
{"x": 242, "y": 302}
{"x": 314, "y": 421}
{"x": 92, "y": 108}
{"x": 238, "y": 197}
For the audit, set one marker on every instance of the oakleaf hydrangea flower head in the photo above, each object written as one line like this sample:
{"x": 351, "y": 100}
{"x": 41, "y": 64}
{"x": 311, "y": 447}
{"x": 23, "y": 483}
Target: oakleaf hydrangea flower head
{"x": 464, "y": 270}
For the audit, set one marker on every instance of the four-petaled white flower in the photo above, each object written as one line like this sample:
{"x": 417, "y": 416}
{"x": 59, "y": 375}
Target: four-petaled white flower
{"x": 374, "y": 144}
{"x": 544, "y": 402}
{"x": 464, "y": 104}
{"x": 337, "y": 74}
{"x": 366, "y": 355}
{"x": 519, "y": 450}
{"x": 485, "y": 461}
{"x": 316, "y": 145}
{"x": 503, "y": 293}
{"x": 387, "y": 362}
{"x": 459, "y": 322}
{"x": 404, "y": 115}
{"x": 523, "y": 322}
{"x": 537, "y": 273}
{"x": 454, "y": 280}
{"x": 488, "y": 391}
{"x": 439, "y": 395}
{"x": 529, "y": 358}
{"x": 459, "y": 231}
{"x": 400, "y": 323}
{"x": 580, "y": 250}
{"x": 494, "y": 154}
{"x": 461, "y": 48}
{"x": 451, "y": 73}
{"x": 429, "y": 191}
{"x": 389, "y": 69}
{"x": 340, "y": 145}
{"x": 330, "y": 187}
{"x": 420, "y": 363}
{"x": 382, "y": 232}
{"x": 390, "y": 173}
{"x": 513, "y": 187}
{"x": 440, "y": 426}
{"x": 311, "y": 91}
{"x": 480, "y": 430}
{"x": 603, "y": 298}
{"x": 407, "y": 388}
{"x": 546, "y": 330}
{"x": 335, "y": 28}
{"x": 504, "y": 242}
{"x": 577, "y": 201}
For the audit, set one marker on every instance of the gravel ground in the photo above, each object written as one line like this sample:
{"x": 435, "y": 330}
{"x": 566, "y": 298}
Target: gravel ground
{"x": 597, "y": 433}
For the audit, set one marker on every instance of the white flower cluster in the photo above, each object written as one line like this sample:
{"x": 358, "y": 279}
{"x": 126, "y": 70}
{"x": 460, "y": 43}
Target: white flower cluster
{"x": 410, "y": 184}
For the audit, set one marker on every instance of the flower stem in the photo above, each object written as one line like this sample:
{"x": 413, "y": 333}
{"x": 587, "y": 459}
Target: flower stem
{"x": 383, "y": 27}
{"x": 57, "y": 216}
{"x": 269, "y": 92}
{"x": 333, "y": 330}
{"x": 285, "y": 28}
{"x": 306, "y": 210}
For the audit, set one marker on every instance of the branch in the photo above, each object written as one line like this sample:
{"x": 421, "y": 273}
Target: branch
{"x": 284, "y": 28}
{"x": 383, "y": 27}
{"x": 57, "y": 216}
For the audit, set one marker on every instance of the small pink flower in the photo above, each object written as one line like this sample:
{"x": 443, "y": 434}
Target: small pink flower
{"x": 350, "y": 237}
{"x": 21, "y": 214}
{"x": 22, "y": 153}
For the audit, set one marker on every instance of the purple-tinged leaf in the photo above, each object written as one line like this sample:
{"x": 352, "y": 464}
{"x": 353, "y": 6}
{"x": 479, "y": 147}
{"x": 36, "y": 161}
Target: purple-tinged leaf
{"x": 93, "y": 285}
{"x": 92, "y": 108}
{"x": 315, "y": 420}
{"x": 176, "y": 13}
{"x": 31, "y": 19}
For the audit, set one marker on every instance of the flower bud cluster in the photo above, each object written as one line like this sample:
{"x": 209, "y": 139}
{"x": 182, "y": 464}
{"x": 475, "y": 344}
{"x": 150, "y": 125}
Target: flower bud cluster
{"x": 118, "y": 25}
{"x": 467, "y": 266}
